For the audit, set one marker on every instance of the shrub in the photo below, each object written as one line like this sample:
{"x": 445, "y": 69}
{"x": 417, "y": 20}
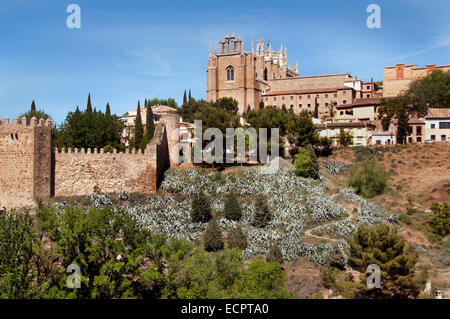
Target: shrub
{"x": 328, "y": 274}
{"x": 236, "y": 238}
{"x": 201, "y": 208}
{"x": 440, "y": 224}
{"x": 368, "y": 179}
{"x": 262, "y": 214}
{"x": 233, "y": 210}
{"x": 275, "y": 254}
{"x": 345, "y": 138}
{"x": 213, "y": 236}
{"x": 306, "y": 164}
{"x": 444, "y": 258}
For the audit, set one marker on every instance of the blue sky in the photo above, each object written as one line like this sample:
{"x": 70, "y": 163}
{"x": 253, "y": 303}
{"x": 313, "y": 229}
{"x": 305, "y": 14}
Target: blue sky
{"x": 129, "y": 50}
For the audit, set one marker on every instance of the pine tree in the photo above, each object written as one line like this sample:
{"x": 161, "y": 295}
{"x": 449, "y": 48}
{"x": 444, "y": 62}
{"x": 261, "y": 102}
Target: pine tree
{"x": 149, "y": 124}
{"x": 184, "y": 98}
{"x": 138, "y": 129}
{"x": 33, "y": 107}
{"x": 236, "y": 238}
{"x": 108, "y": 110}
{"x": 200, "y": 209}
{"x": 262, "y": 214}
{"x": 213, "y": 240}
{"x": 233, "y": 210}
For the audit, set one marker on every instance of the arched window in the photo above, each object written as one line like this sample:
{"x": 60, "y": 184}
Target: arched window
{"x": 230, "y": 73}
{"x": 265, "y": 74}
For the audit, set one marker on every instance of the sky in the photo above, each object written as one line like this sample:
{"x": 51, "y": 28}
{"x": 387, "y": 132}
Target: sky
{"x": 127, "y": 51}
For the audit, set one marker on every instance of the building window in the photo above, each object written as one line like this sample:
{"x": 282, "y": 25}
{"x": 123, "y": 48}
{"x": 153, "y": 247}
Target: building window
{"x": 274, "y": 98}
{"x": 326, "y": 96}
{"x": 433, "y": 126}
{"x": 433, "y": 137}
{"x": 300, "y": 105}
{"x": 368, "y": 95}
{"x": 419, "y": 139}
{"x": 444, "y": 124}
{"x": 267, "y": 99}
{"x": 341, "y": 113}
{"x": 378, "y": 142}
{"x": 368, "y": 87}
{"x": 282, "y": 98}
{"x": 265, "y": 74}
{"x": 309, "y": 105}
{"x": 418, "y": 130}
{"x": 230, "y": 73}
{"x": 292, "y": 98}
{"x": 443, "y": 137}
{"x": 335, "y": 95}
{"x": 344, "y": 92}
{"x": 309, "y": 96}
{"x": 344, "y": 102}
{"x": 326, "y": 104}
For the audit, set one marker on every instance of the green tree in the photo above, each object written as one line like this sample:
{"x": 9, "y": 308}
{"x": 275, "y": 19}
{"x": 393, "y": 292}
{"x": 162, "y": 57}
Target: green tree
{"x": 138, "y": 128}
{"x": 389, "y": 109}
{"x": 303, "y": 129}
{"x": 432, "y": 90}
{"x": 440, "y": 223}
{"x": 402, "y": 126}
{"x": 236, "y": 238}
{"x": 40, "y": 114}
{"x": 262, "y": 215}
{"x": 190, "y": 97}
{"x": 200, "y": 208}
{"x": 306, "y": 164}
{"x": 108, "y": 110}
{"x": 316, "y": 109}
{"x": 184, "y": 98}
{"x": 213, "y": 240}
{"x": 275, "y": 254}
{"x": 345, "y": 138}
{"x": 233, "y": 210}
{"x": 383, "y": 246}
{"x": 367, "y": 178}
{"x": 149, "y": 124}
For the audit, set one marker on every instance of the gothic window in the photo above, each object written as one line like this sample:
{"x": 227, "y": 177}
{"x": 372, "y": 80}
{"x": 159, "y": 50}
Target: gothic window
{"x": 265, "y": 74}
{"x": 230, "y": 73}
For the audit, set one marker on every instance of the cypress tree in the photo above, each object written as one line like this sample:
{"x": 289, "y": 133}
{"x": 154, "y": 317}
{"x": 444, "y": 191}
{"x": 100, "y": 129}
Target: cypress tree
{"x": 89, "y": 105}
{"x": 212, "y": 240}
{"x": 190, "y": 97}
{"x": 316, "y": 109}
{"x": 108, "y": 110}
{"x": 262, "y": 214}
{"x": 236, "y": 238}
{"x": 403, "y": 125}
{"x": 275, "y": 254}
{"x": 33, "y": 107}
{"x": 233, "y": 210}
{"x": 184, "y": 98}
{"x": 149, "y": 124}
{"x": 138, "y": 129}
{"x": 200, "y": 209}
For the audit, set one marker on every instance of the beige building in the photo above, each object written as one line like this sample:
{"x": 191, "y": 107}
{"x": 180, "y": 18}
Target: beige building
{"x": 361, "y": 131}
{"x": 396, "y": 79}
{"x": 437, "y": 125}
{"x": 264, "y": 74}
{"x": 360, "y": 110}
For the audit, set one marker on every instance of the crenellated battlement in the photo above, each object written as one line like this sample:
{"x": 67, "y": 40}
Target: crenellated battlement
{"x": 32, "y": 168}
{"x": 24, "y": 123}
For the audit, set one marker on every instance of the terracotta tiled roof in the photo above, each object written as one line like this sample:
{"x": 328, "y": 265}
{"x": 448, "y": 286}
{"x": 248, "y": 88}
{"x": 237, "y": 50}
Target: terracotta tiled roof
{"x": 309, "y": 91}
{"x": 438, "y": 113}
{"x": 362, "y": 102}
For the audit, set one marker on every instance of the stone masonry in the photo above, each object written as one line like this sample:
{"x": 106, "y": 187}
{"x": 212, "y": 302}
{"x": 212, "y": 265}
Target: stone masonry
{"x": 31, "y": 169}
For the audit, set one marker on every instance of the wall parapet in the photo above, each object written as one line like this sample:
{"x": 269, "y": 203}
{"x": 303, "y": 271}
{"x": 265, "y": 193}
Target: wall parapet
{"x": 24, "y": 123}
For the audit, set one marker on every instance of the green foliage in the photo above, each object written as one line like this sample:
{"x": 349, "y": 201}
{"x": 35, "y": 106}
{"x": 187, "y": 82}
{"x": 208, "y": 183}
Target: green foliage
{"x": 405, "y": 219}
{"x": 302, "y": 128}
{"x": 316, "y": 109}
{"x": 382, "y": 246}
{"x": 89, "y": 129}
{"x": 402, "y": 126}
{"x": 440, "y": 224}
{"x": 262, "y": 214}
{"x": 233, "y": 210}
{"x": 367, "y": 178}
{"x": 443, "y": 259}
{"x": 275, "y": 254}
{"x": 324, "y": 147}
{"x": 305, "y": 163}
{"x": 345, "y": 138}
{"x": 149, "y": 124}
{"x": 236, "y": 238}
{"x": 201, "y": 208}
{"x": 389, "y": 109}
{"x": 33, "y": 113}
{"x": 328, "y": 275}
{"x": 138, "y": 128}
{"x": 432, "y": 90}
{"x": 213, "y": 240}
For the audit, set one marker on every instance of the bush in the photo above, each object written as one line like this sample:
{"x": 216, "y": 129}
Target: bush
{"x": 236, "y": 238}
{"x": 441, "y": 221}
{"x": 201, "y": 208}
{"x": 306, "y": 164}
{"x": 262, "y": 213}
{"x": 275, "y": 254}
{"x": 212, "y": 240}
{"x": 233, "y": 210}
{"x": 368, "y": 179}
{"x": 328, "y": 274}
